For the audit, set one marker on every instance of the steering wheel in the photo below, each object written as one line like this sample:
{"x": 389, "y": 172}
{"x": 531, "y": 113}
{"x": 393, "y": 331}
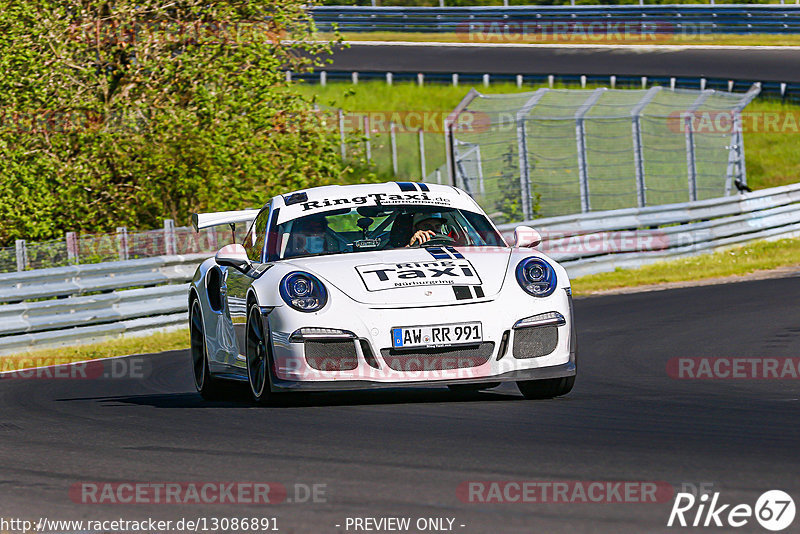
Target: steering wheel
{"x": 436, "y": 240}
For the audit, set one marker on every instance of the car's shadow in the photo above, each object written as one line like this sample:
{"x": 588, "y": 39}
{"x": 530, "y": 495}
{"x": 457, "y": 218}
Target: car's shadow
{"x": 238, "y": 398}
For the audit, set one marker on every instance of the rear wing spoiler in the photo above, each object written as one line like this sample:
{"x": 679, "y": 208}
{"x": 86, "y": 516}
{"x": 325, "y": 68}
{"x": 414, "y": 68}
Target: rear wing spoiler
{"x": 207, "y": 220}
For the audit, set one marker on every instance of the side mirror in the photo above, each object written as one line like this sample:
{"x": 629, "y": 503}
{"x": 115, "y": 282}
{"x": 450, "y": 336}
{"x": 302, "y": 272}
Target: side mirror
{"x": 525, "y": 236}
{"x": 234, "y": 256}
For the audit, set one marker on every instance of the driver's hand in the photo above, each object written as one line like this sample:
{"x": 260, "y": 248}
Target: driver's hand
{"x": 422, "y": 236}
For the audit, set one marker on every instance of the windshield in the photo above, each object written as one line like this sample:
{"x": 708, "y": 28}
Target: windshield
{"x": 370, "y": 228}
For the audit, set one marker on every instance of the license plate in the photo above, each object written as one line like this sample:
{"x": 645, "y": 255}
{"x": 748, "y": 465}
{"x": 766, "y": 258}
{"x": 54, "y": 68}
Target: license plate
{"x": 440, "y": 335}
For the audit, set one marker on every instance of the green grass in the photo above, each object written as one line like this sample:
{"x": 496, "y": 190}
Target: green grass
{"x": 772, "y": 158}
{"x": 158, "y": 342}
{"x": 698, "y": 40}
{"x": 757, "y": 256}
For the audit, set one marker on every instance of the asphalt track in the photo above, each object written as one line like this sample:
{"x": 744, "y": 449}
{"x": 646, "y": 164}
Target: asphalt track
{"x": 404, "y": 453}
{"x": 735, "y": 63}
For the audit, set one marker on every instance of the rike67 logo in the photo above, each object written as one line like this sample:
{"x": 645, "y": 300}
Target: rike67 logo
{"x": 774, "y": 510}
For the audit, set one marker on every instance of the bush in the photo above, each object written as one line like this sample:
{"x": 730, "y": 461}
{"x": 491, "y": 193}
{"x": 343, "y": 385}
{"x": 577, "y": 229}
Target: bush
{"x": 125, "y": 112}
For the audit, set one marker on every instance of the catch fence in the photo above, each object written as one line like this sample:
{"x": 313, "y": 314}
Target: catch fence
{"x": 555, "y": 151}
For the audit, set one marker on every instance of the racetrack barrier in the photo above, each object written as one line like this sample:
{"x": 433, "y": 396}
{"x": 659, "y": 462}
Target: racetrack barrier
{"x": 685, "y": 19}
{"x": 628, "y": 238}
{"x": 82, "y": 303}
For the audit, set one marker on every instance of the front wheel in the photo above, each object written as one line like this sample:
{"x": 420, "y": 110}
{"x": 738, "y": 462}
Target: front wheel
{"x": 257, "y": 352}
{"x": 547, "y": 388}
{"x": 209, "y": 387}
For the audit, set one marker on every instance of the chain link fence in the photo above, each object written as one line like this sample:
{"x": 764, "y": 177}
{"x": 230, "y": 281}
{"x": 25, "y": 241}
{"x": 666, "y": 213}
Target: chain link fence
{"x": 403, "y": 145}
{"x": 556, "y": 151}
{"x": 121, "y": 245}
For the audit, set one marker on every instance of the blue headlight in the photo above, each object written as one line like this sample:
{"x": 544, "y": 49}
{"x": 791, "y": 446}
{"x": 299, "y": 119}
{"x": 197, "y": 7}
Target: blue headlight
{"x": 537, "y": 277}
{"x": 303, "y": 292}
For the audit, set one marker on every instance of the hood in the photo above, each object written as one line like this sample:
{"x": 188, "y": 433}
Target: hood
{"x": 413, "y": 276}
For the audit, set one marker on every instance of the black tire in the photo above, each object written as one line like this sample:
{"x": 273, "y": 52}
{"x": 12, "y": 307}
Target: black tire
{"x": 547, "y": 388}
{"x": 210, "y": 388}
{"x": 258, "y": 357}
{"x": 465, "y": 388}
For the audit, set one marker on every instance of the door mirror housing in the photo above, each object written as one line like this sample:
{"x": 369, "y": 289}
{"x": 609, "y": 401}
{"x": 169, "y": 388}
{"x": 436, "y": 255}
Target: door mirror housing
{"x": 234, "y": 256}
{"x": 525, "y": 236}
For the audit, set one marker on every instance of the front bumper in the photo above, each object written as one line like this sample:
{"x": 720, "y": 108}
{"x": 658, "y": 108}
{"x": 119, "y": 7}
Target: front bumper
{"x": 372, "y": 368}
{"x": 539, "y": 373}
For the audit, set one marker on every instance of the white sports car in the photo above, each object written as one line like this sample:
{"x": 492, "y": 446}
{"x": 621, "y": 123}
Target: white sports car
{"x": 384, "y": 285}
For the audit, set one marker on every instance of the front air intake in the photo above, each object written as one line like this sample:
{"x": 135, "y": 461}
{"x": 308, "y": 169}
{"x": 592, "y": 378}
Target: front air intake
{"x": 534, "y": 342}
{"x": 331, "y": 354}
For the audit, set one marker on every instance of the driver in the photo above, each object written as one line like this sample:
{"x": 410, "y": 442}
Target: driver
{"x": 426, "y": 229}
{"x": 309, "y": 236}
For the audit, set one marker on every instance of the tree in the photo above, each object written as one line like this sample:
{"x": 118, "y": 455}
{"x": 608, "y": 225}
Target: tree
{"x": 124, "y": 112}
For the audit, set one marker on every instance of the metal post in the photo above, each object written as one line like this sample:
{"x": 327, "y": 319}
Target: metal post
{"x": 393, "y": 136}
{"x": 522, "y": 147}
{"x": 342, "y": 146}
{"x": 169, "y": 237}
{"x": 733, "y": 154}
{"x": 421, "y": 134}
{"x": 122, "y": 243}
{"x": 22, "y": 254}
{"x": 691, "y": 163}
{"x": 72, "y": 248}
{"x": 691, "y": 160}
{"x": 481, "y": 187}
{"x": 736, "y": 162}
{"x": 449, "y": 141}
{"x": 638, "y": 155}
{"x": 367, "y": 144}
{"x": 580, "y": 137}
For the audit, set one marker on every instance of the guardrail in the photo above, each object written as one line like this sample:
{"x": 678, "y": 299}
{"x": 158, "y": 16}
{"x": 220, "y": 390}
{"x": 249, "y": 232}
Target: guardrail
{"x": 68, "y": 305}
{"x": 603, "y": 241}
{"x": 771, "y": 89}
{"x": 687, "y": 18}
